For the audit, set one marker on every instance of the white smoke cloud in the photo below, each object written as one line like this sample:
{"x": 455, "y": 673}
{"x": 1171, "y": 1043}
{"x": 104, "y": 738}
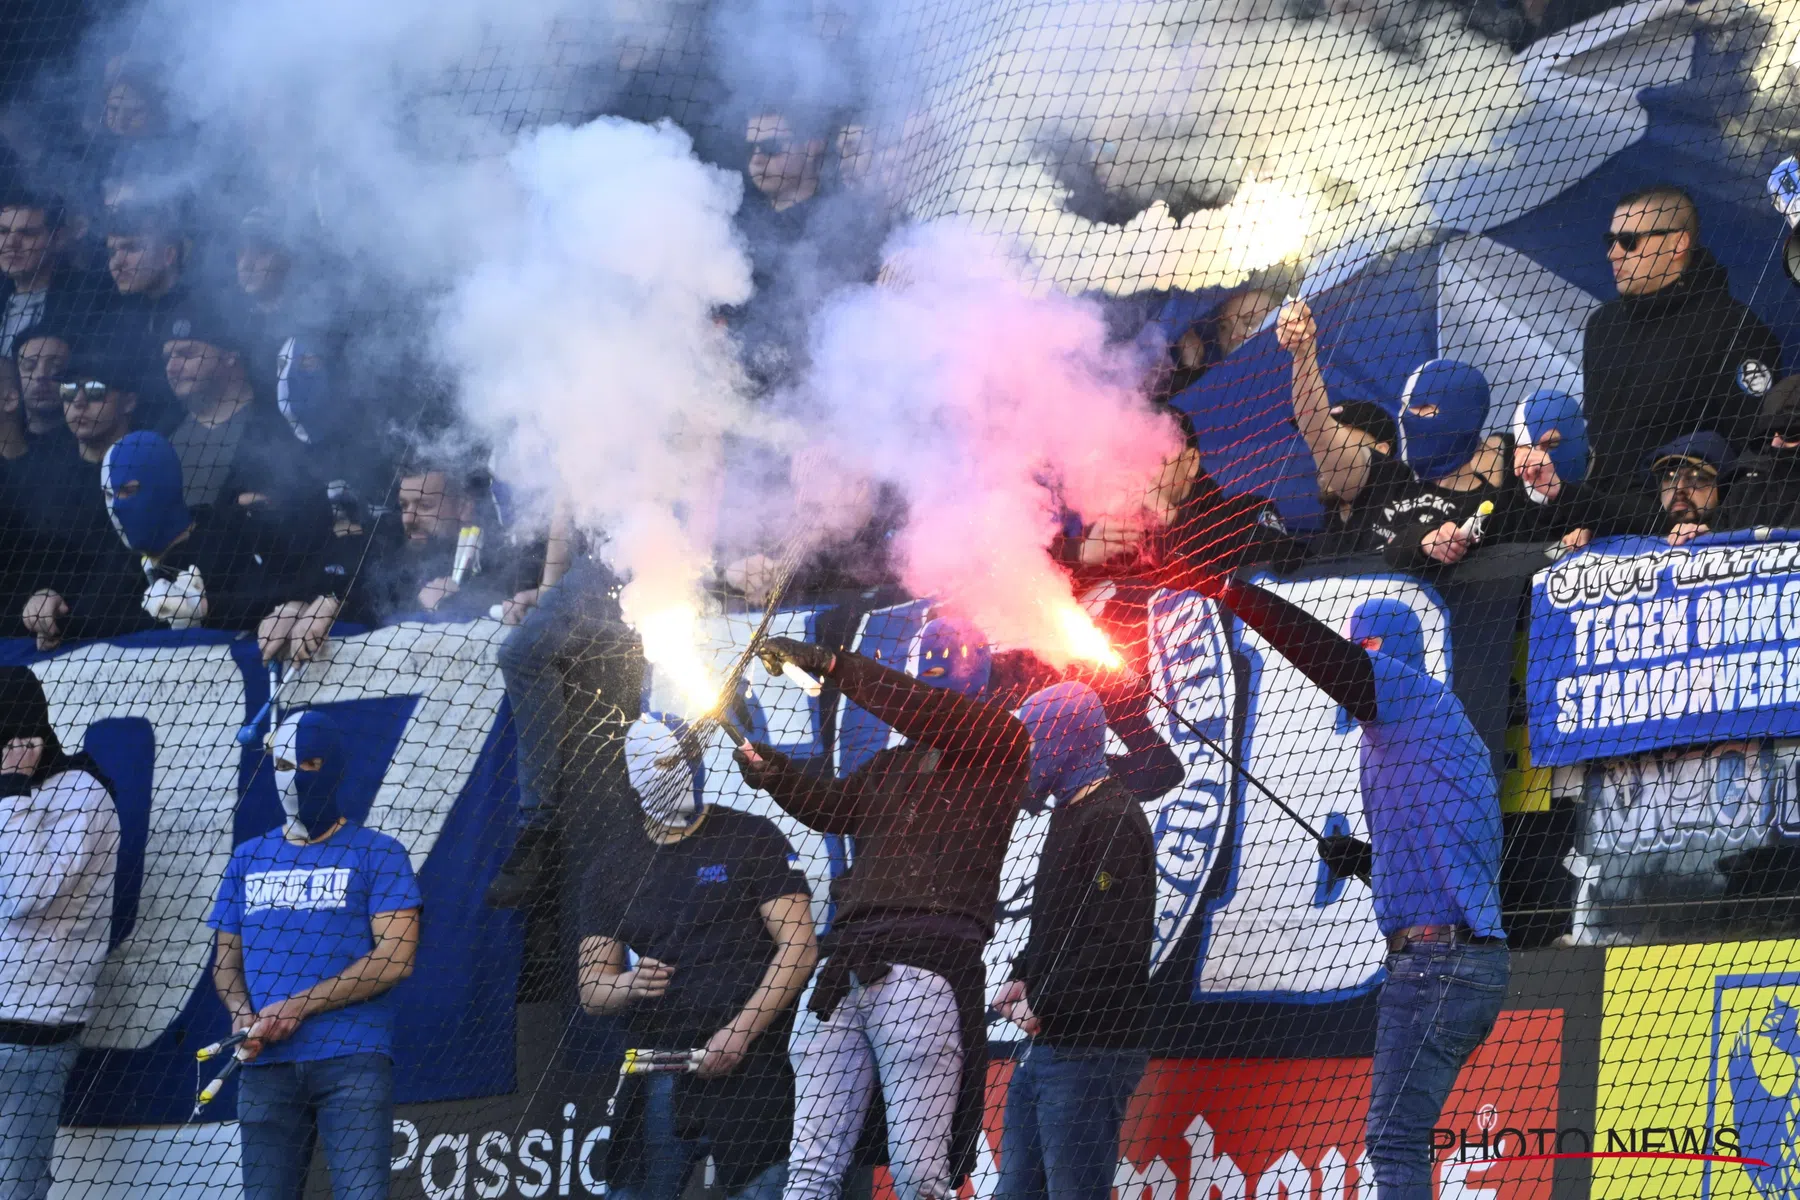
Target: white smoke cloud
{"x": 584, "y": 343}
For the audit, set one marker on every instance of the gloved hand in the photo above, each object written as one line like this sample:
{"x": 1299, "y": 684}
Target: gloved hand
{"x": 1345, "y": 856}
{"x": 757, "y": 764}
{"x": 181, "y": 601}
{"x": 816, "y": 661}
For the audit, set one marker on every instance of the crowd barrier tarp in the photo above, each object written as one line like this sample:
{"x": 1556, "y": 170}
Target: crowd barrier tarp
{"x": 1638, "y": 646}
{"x": 431, "y": 752}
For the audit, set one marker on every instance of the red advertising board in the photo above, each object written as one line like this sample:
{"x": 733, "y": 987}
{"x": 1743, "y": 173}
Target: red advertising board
{"x": 1292, "y": 1129}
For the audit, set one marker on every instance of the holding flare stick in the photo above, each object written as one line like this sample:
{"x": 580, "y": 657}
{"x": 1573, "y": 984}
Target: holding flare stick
{"x": 220, "y": 1047}
{"x": 211, "y": 1091}
{"x": 1472, "y": 527}
{"x": 800, "y": 679}
{"x": 661, "y": 1062}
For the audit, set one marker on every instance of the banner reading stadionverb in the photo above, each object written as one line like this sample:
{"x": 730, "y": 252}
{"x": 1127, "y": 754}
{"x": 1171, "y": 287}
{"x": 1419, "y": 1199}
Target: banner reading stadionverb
{"x": 1637, "y": 646}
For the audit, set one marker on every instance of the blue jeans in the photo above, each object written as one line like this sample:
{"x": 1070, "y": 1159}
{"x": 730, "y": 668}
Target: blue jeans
{"x": 1438, "y": 1004}
{"x": 1063, "y": 1111}
{"x": 668, "y": 1158}
{"x": 346, "y": 1104}
{"x": 31, "y": 1093}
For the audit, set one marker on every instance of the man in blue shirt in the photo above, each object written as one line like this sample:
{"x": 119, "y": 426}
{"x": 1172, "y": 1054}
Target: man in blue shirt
{"x": 316, "y": 921}
{"x": 1432, "y": 861}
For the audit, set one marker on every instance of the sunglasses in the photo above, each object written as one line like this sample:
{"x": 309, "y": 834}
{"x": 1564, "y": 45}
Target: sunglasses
{"x": 1629, "y": 242}
{"x": 1687, "y": 477}
{"x": 86, "y": 391}
{"x": 769, "y": 147}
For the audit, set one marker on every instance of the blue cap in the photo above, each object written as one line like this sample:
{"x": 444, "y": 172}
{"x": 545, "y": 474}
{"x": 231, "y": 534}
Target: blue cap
{"x": 1701, "y": 449}
{"x": 1546, "y": 410}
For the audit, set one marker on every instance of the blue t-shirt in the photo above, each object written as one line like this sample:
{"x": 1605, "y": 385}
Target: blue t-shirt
{"x": 303, "y": 914}
{"x": 1433, "y": 809}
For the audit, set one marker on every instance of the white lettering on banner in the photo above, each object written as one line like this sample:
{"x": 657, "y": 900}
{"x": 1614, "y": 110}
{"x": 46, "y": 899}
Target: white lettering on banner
{"x": 454, "y": 672}
{"x": 1191, "y": 668}
{"x": 1212, "y": 1175}
{"x": 299, "y": 890}
{"x": 1722, "y": 683}
{"x": 193, "y": 699}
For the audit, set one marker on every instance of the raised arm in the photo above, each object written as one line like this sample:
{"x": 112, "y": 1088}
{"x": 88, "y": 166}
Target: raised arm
{"x": 1340, "y": 453}
{"x": 1339, "y": 667}
{"x": 813, "y": 798}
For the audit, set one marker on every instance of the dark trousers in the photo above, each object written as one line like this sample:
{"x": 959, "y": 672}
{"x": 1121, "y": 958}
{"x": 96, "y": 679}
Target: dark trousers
{"x": 1438, "y": 1004}
{"x": 345, "y": 1104}
{"x": 1063, "y": 1111}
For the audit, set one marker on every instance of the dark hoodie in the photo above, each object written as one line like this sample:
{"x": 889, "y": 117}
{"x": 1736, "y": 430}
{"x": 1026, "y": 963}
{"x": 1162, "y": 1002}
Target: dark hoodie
{"x": 1764, "y": 489}
{"x": 1661, "y": 366}
{"x": 25, "y": 713}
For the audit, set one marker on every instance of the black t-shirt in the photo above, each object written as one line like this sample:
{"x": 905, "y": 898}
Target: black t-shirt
{"x": 1389, "y": 479}
{"x": 694, "y": 905}
{"x": 1411, "y": 512}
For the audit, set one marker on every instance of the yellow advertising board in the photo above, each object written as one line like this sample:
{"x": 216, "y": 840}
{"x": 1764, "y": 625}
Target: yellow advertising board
{"x": 1700, "y": 1073}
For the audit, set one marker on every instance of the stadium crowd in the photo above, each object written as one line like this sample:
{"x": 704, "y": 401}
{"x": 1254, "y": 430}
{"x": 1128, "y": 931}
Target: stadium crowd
{"x": 184, "y": 442}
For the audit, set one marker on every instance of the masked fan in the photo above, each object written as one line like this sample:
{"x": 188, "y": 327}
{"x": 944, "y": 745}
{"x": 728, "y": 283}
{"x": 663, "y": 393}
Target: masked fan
{"x": 1432, "y": 859}
{"x": 1079, "y": 987}
{"x": 899, "y": 998}
{"x": 720, "y": 922}
{"x": 59, "y": 849}
{"x": 316, "y": 921}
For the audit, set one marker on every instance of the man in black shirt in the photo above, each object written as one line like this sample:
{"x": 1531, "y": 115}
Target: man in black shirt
{"x": 721, "y": 922}
{"x": 1675, "y": 353}
{"x": 1079, "y": 986}
{"x": 1354, "y": 446}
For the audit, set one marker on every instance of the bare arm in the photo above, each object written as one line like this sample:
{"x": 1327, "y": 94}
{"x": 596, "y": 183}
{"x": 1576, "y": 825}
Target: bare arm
{"x": 228, "y": 980}
{"x": 388, "y": 962}
{"x": 606, "y": 986}
{"x": 1340, "y": 453}
{"x": 789, "y": 922}
{"x": 559, "y": 549}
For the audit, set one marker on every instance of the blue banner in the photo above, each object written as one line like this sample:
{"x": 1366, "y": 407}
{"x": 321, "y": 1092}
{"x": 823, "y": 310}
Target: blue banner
{"x": 1639, "y": 646}
{"x": 432, "y": 765}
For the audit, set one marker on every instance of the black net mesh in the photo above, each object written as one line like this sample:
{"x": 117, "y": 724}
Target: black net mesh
{"x": 756, "y": 598}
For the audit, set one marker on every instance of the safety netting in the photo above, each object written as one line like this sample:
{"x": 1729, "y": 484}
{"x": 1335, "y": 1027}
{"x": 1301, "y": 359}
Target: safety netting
{"x": 1179, "y": 599}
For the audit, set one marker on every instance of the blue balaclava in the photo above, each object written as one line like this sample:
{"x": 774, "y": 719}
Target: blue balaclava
{"x": 1396, "y": 624}
{"x": 1547, "y": 409}
{"x": 666, "y": 770}
{"x": 953, "y": 656}
{"x": 1068, "y": 740}
{"x": 1436, "y": 445}
{"x": 155, "y": 514}
{"x": 303, "y": 390}
{"x": 310, "y": 798}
